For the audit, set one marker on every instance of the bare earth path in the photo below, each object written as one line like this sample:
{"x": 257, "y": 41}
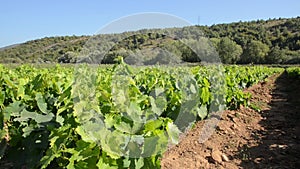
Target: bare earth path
{"x": 266, "y": 136}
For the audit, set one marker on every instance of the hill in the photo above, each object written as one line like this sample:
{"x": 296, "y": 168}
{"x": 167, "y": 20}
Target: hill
{"x": 7, "y": 47}
{"x": 261, "y": 41}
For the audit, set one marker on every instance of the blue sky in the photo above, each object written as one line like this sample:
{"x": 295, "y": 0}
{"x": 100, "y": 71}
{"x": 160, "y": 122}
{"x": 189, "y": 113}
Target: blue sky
{"x": 23, "y": 20}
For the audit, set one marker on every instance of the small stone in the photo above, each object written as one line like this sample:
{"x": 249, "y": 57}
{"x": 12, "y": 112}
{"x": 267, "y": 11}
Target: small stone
{"x": 282, "y": 146}
{"x": 257, "y": 160}
{"x": 224, "y": 157}
{"x": 234, "y": 126}
{"x": 235, "y": 120}
{"x": 217, "y": 156}
{"x": 273, "y": 146}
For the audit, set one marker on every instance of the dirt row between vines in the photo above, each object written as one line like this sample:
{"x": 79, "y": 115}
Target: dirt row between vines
{"x": 264, "y": 136}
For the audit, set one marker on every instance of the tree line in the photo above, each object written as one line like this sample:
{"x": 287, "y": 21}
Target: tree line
{"x": 273, "y": 41}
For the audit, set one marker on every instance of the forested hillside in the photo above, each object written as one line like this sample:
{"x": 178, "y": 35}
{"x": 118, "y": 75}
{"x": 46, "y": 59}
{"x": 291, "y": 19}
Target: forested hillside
{"x": 274, "y": 41}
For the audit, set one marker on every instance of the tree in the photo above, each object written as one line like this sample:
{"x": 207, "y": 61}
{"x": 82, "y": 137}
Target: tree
{"x": 275, "y": 56}
{"x": 68, "y": 57}
{"x": 200, "y": 50}
{"x": 255, "y": 52}
{"x": 229, "y": 51}
{"x": 215, "y": 42}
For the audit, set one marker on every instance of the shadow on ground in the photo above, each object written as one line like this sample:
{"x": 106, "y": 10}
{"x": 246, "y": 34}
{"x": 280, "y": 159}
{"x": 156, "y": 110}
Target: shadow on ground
{"x": 279, "y": 141}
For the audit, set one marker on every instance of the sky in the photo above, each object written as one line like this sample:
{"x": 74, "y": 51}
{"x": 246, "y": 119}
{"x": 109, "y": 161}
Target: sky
{"x": 23, "y": 20}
